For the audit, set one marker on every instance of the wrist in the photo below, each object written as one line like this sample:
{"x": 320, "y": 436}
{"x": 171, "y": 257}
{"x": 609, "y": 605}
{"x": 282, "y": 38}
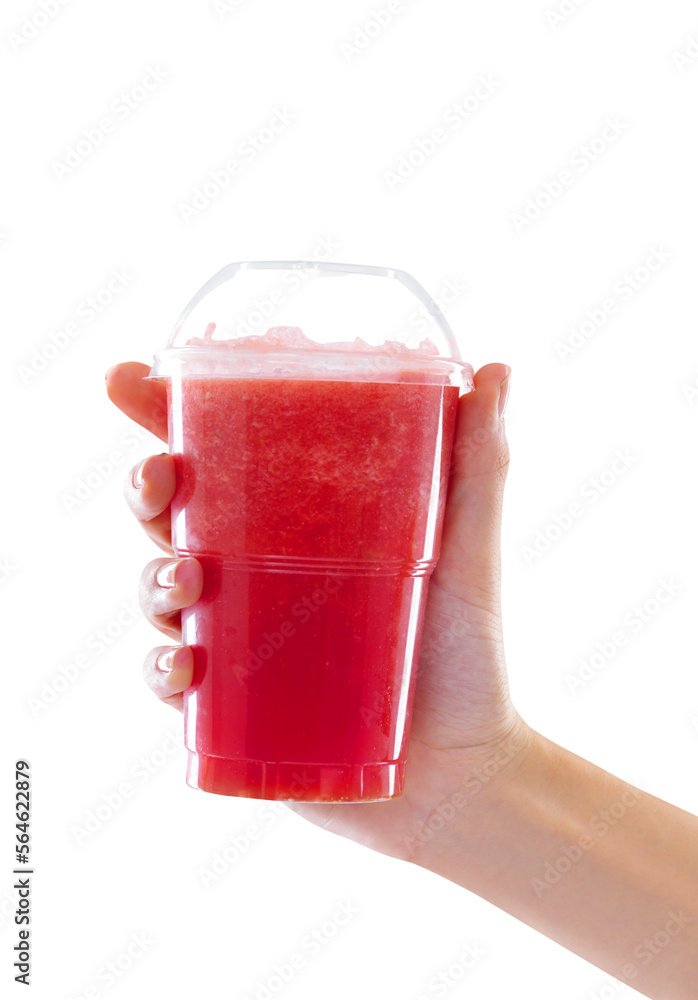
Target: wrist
{"x": 471, "y": 803}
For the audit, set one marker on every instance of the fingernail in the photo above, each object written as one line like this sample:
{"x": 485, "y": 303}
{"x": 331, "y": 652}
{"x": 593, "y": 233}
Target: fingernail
{"x": 165, "y": 575}
{"x": 166, "y": 661}
{"x": 137, "y": 478}
{"x": 504, "y": 392}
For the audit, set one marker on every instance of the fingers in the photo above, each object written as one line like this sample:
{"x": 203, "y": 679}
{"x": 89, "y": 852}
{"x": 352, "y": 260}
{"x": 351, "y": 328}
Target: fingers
{"x": 167, "y": 586}
{"x": 149, "y": 488}
{"x": 144, "y": 402}
{"x": 151, "y": 485}
{"x": 469, "y": 565}
{"x": 168, "y": 671}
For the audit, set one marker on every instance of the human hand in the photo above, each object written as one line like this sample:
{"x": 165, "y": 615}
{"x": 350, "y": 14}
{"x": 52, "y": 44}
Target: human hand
{"x": 463, "y": 719}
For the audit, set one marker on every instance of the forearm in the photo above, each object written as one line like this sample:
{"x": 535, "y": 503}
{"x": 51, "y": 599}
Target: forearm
{"x": 609, "y": 872}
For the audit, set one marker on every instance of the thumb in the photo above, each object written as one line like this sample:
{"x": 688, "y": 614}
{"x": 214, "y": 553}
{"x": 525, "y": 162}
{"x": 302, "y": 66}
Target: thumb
{"x": 469, "y": 564}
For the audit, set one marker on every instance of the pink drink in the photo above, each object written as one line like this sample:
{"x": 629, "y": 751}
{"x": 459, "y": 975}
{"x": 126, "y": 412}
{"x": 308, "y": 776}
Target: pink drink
{"x": 315, "y": 506}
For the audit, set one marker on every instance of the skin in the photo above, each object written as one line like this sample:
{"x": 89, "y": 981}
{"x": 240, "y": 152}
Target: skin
{"x": 609, "y": 872}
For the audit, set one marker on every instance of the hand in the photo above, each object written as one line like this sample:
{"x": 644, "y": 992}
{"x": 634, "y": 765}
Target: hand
{"x": 463, "y": 718}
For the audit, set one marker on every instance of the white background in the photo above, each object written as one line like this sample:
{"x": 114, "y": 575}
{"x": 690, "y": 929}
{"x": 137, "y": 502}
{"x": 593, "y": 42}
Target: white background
{"x": 632, "y": 385}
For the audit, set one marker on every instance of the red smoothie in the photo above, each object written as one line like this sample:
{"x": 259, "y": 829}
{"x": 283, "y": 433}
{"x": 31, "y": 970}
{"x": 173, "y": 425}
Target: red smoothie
{"x": 315, "y": 507}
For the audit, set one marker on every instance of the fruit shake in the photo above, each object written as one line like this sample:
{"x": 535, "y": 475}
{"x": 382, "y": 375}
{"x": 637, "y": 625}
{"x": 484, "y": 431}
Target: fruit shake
{"x": 311, "y": 486}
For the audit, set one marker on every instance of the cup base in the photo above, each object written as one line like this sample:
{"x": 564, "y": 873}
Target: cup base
{"x": 295, "y": 782}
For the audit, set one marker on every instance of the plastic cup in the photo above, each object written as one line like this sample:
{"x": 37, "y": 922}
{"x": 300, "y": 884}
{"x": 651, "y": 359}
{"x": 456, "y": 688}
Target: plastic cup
{"x": 312, "y": 470}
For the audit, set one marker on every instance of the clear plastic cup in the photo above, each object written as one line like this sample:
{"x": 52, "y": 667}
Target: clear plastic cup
{"x": 311, "y": 422}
